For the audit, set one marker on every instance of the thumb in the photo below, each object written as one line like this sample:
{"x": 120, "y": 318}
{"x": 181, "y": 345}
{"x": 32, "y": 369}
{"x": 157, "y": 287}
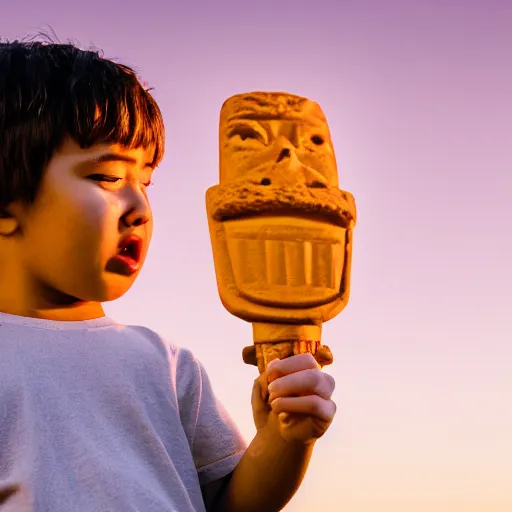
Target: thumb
{"x": 259, "y": 403}
{"x": 260, "y": 390}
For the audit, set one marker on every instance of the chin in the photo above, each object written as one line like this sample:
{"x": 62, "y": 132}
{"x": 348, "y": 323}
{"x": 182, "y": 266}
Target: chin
{"x": 116, "y": 292}
{"x": 111, "y": 296}
{"x": 108, "y": 290}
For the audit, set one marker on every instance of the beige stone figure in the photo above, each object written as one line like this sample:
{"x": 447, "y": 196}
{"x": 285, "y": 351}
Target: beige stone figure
{"x": 280, "y": 227}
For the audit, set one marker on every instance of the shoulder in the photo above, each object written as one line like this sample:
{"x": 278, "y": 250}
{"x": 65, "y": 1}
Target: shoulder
{"x": 152, "y": 337}
{"x": 182, "y": 357}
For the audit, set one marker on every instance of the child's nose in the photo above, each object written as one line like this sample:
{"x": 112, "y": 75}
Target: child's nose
{"x": 135, "y": 220}
{"x": 139, "y": 211}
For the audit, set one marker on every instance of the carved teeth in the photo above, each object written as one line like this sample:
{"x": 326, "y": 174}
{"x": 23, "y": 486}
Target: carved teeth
{"x": 283, "y": 262}
{"x": 286, "y": 260}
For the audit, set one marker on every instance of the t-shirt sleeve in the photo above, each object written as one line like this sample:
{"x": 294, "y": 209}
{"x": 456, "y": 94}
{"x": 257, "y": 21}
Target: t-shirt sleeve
{"x": 215, "y": 441}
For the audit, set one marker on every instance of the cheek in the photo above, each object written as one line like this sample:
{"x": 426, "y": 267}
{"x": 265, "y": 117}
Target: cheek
{"x": 237, "y": 163}
{"x": 149, "y": 229}
{"x": 322, "y": 161}
{"x": 72, "y": 225}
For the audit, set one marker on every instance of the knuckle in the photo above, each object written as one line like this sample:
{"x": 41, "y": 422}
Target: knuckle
{"x": 317, "y": 380}
{"x": 311, "y": 358}
{"x": 331, "y": 382}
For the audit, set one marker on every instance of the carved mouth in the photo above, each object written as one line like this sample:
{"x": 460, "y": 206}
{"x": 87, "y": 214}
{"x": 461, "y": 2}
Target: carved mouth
{"x": 283, "y": 260}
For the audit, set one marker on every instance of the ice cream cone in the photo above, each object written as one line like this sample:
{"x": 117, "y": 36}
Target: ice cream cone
{"x": 280, "y": 227}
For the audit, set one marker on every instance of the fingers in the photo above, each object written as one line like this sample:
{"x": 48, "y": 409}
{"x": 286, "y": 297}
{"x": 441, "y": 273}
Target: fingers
{"x": 306, "y": 382}
{"x": 279, "y": 367}
{"x": 311, "y": 405}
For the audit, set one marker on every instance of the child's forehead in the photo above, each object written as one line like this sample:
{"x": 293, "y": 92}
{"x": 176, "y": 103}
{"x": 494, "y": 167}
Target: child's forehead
{"x": 106, "y": 152}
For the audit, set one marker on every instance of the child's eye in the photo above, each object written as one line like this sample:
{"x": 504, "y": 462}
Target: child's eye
{"x": 104, "y": 177}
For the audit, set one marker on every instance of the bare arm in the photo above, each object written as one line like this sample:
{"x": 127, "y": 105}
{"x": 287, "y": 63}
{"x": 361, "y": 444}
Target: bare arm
{"x": 298, "y": 413}
{"x": 267, "y": 476}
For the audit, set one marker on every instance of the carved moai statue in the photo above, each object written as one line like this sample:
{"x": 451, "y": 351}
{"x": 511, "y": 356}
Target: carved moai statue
{"x": 280, "y": 227}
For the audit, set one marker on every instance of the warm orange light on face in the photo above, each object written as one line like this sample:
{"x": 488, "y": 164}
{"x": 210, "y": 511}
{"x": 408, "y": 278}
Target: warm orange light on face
{"x": 89, "y": 202}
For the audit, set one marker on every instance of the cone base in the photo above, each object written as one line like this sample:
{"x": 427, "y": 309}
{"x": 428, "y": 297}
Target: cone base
{"x": 260, "y": 354}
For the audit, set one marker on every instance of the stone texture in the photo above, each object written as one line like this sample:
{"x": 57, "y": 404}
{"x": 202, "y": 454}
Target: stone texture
{"x": 280, "y": 226}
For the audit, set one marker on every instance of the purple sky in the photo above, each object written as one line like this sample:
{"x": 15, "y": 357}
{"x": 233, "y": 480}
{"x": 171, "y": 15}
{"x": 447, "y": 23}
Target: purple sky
{"x": 419, "y": 99}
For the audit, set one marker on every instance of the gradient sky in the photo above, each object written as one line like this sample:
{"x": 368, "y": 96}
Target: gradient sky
{"x": 419, "y": 99}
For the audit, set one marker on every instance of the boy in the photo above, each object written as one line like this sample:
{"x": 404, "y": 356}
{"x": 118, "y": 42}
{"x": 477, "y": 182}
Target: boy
{"x": 97, "y": 416}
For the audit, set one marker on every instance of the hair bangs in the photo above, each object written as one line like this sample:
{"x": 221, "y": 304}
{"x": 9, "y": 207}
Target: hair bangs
{"x": 114, "y": 108}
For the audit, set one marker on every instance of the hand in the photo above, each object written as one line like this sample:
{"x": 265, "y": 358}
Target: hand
{"x": 299, "y": 405}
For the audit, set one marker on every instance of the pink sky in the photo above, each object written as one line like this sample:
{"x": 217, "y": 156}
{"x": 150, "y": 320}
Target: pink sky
{"x": 419, "y": 101}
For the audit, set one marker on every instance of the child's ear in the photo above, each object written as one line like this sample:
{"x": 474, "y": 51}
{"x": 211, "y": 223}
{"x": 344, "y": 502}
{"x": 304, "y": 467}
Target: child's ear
{"x": 9, "y": 223}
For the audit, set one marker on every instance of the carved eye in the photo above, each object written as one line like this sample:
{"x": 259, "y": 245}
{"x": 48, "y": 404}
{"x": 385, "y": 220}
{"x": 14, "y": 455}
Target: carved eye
{"x": 317, "y": 139}
{"x": 247, "y": 132}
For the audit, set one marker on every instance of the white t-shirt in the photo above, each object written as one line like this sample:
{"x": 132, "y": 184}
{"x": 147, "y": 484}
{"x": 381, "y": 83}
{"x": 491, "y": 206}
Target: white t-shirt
{"x": 97, "y": 416}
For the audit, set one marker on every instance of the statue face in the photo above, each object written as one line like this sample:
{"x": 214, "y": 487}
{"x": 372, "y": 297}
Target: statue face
{"x": 280, "y": 225}
{"x": 277, "y": 139}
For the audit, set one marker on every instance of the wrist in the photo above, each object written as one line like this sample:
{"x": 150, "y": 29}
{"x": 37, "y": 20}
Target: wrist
{"x": 271, "y": 436}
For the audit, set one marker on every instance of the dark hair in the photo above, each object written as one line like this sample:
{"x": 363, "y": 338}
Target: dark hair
{"x": 49, "y": 92}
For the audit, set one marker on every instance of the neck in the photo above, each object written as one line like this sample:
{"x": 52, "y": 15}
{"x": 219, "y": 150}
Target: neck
{"x": 78, "y": 312}
{"x": 23, "y": 296}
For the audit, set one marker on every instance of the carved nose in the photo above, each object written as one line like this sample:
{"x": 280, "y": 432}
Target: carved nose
{"x": 285, "y": 153}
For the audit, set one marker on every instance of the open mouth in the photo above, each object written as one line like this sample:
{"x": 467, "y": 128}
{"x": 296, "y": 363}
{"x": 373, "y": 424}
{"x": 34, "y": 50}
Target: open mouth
{"x": 128, "y": 258}
{"x": 284, "y": 260}
{"x": 131, "y": 248}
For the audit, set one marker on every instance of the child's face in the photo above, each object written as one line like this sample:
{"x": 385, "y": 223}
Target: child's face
{"x": 87, "y": 205}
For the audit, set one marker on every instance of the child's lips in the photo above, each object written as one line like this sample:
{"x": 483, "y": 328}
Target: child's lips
{"x": 128, "y": 259}
{"x": 122, "y": 265}
{"x": 131, "y": 248}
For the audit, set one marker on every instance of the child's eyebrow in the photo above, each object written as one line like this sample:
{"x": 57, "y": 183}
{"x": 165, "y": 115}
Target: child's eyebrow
{"x": 116, "y": 157}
